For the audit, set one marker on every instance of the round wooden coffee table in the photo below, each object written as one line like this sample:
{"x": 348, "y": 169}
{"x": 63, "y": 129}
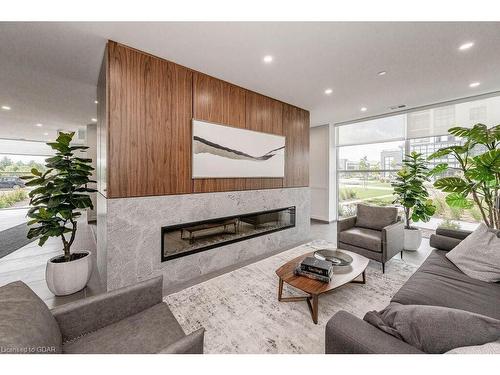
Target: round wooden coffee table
{"x": 354, "y": 273}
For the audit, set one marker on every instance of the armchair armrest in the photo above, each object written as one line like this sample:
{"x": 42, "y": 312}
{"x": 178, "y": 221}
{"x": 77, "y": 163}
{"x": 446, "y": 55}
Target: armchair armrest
{"x": 90, "y": 314}
{"x": 443, "y": 242}
{"x": 347, "y": 334}
{"x": 459, "y": 234}
{"x": 393, "y": 239}
{"x": 347, "y": 223}
{"x": 190, "y": 344}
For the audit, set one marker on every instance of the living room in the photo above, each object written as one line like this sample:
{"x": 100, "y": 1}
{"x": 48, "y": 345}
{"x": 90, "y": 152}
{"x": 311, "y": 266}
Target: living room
{"x": 250, "y": 188}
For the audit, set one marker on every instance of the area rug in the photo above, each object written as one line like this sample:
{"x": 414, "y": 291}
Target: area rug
{"x": 13, "y": 239}
{"x": 241, "y": 314}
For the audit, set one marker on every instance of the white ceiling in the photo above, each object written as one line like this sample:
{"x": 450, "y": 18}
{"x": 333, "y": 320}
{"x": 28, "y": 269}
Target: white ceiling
{"x": 48, "y": 71}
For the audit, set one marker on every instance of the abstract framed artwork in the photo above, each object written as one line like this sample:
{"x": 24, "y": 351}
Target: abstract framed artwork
{"x": 226, "y": 152}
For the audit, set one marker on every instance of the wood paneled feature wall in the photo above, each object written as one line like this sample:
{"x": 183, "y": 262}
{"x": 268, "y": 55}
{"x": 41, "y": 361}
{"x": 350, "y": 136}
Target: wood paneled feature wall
{"x": 149, "y": 107}
{"x": 150, "y": 125}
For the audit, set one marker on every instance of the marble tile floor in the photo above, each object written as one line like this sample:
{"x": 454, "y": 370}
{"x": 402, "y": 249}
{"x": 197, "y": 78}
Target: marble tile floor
{"x": 28, "y": 263}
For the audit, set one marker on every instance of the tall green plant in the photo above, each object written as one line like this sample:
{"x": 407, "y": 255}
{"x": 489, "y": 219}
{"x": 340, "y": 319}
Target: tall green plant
{"x": 410, "y": 190}
{"x": 59, "y": 193}
{"x": 479, "y": 180}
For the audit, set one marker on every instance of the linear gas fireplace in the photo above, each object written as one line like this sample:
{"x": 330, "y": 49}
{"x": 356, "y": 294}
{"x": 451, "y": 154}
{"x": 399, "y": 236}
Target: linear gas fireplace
{"x": 185, "y": 239}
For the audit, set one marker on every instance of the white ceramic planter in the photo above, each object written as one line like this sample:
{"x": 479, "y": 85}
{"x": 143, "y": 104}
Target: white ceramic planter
{"x": 68, "y": 277}
{"x": 413, "y": 239}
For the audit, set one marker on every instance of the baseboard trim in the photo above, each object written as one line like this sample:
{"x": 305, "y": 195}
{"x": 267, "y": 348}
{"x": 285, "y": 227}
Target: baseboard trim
{"x": 322, "y": 221}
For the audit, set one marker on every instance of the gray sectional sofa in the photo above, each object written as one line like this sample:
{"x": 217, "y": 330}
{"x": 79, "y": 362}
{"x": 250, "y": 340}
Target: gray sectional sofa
{"x": 437, "y": 282}
{"x": 130, "y": 320}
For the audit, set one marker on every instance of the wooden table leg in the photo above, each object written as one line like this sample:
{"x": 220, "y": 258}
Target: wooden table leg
{"x": 313, "y": 307}
{"x": 280, "y": 289}
{"x": 362, "y": 281}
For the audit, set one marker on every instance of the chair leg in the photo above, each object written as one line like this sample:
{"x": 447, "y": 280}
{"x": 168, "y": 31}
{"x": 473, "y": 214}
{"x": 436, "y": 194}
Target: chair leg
{"x": 401, "y": 254}
{"x": 383, "y": 267}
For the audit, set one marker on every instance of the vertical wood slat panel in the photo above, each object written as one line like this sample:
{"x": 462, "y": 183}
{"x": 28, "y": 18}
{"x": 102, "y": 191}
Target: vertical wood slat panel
{"x": 297, "y": 146}
{"x": 149, "y": 130}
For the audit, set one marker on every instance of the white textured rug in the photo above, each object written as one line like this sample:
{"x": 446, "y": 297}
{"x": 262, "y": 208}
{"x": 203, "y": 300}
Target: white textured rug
{"x": 241, "y": 313}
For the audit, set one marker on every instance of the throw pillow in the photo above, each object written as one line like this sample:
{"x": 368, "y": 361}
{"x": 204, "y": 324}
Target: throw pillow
{"x": 435, "y": 329}
{"x": 373, "y": 217}
{"x": 488, "y": 348}
{"x": 478, "y": 255}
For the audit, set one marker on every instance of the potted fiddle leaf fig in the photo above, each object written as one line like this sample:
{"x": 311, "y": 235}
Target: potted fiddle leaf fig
{"x": 56, "y": 200}
{"x": 478, "y": 179}
{"x": 411, "y": 194}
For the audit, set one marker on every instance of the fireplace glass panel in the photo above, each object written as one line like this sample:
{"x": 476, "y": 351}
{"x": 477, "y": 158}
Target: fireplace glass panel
{"x": 189, "y": 238}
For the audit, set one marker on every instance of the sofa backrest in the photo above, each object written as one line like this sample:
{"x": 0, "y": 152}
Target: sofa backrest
{"x": 26, "y": 323}
{"x": 375, "y": 217}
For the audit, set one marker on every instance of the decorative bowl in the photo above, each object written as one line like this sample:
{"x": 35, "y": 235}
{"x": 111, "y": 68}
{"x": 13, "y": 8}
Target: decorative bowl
{"x": 336, "y": 257}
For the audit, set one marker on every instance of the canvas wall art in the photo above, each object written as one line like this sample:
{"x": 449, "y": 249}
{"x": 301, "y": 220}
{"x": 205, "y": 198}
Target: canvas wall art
{"x": 225, "y": 152}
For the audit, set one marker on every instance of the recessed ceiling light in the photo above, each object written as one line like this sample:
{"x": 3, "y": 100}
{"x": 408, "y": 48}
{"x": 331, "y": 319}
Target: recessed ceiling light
{"x": 382, "y": 73}
{"x": 474, "y": 84}
{"x": 364, "y": 109}
{"x": 466, "y": 46}
{"x": 45, "y": 133}
{"x": 94, "y": 120}
{"x": 96, "y": 102}
{"x": 39, "y": 125}
{"x": 268, "y": 59}
{"x": 6, "y": 108}
{"x": 328, "y": 91}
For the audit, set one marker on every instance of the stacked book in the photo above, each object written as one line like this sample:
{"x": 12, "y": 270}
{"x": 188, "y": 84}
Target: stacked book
{"x": 316, "y": 269}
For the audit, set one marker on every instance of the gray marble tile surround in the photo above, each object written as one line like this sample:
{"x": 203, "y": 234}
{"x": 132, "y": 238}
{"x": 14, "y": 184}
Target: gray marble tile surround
{"x": 131, "y": 239}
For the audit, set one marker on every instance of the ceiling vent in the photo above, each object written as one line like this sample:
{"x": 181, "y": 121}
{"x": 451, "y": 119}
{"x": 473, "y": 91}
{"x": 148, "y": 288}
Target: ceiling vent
{"x": 396, "y": 107}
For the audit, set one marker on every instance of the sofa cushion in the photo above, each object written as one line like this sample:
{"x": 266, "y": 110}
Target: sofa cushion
{"x": 374, "y": 217}
{"x": 478, "y": 255}
{"x": 26, "y": 323}
{"x": 439, "y": 282}
{"x": 149, "y": 331}
{"x": 362, "y": 237}
{"x": 435, "y": 329}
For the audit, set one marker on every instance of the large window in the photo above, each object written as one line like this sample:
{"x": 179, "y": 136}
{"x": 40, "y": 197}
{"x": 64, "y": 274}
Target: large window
{"x": 17, "y": 158}
{"x": 365, "y": 172}
{"x": 369, "y": 153}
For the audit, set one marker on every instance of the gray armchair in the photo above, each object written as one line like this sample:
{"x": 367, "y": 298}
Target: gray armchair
{"x": 375, "y": 232}
{"x": 133, "y": 319}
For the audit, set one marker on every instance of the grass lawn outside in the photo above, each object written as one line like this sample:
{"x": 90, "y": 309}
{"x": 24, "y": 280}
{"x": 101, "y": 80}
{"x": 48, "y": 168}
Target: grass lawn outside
{"x": 365, "y": 193}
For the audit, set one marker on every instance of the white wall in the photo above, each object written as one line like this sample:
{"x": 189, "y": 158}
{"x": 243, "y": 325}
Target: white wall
{"x": 322, "y": 173}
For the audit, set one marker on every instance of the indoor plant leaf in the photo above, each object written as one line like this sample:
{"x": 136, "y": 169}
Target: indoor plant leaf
{"x": 458, "y": 200}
